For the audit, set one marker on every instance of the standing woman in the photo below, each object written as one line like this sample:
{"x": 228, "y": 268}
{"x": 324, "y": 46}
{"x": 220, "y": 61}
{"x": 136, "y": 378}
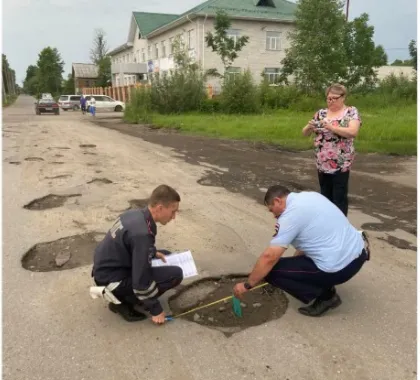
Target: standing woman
{"x": 335, "y": 128}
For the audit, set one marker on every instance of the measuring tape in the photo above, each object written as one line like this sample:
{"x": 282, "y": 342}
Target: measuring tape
{"x": 171, "y": 318}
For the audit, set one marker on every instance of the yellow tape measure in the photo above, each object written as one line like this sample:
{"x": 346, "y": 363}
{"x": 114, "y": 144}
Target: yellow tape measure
{"x": 212, "y": 303}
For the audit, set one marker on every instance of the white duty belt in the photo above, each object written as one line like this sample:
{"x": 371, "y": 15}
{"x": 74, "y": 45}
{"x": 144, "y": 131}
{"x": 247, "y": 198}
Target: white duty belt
{"x": 105, "y": 292}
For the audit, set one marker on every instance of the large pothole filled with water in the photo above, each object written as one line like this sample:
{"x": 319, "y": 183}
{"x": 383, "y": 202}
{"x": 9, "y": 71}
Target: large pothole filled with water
{"x": 258, "y": 306}
{"x": 66, "y": 253}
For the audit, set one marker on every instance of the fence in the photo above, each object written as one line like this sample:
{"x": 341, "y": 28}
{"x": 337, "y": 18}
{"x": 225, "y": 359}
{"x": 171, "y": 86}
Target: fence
{"x": 123, "y": 93}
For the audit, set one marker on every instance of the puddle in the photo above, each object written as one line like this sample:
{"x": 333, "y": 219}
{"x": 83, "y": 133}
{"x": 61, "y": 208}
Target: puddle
{"x": 258, "y": 306}
{"x": 66, "y": 253}
{"x": 87, "y": 146}
{"x": 49, "y": 201}
{"x": 105, "y": 181}
{"x": 14, "y": 162}
{"x": 399, "y": 243}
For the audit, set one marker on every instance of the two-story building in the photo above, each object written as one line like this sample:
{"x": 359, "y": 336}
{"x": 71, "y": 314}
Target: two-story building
{"x": 149, "y": 45}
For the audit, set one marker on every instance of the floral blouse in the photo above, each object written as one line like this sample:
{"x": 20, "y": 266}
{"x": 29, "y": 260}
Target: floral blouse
{"x": 333, "y": 152}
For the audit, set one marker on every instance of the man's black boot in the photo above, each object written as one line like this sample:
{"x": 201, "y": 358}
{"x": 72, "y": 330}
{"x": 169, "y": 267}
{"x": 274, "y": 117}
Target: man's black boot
{"x": 320, "y": 306}
{"x": 127, "y": 311}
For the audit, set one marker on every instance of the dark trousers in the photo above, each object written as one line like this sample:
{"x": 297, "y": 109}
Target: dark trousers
{"x": 166, "y": 277}
{"x": 335, "y": 188}
{"x": 302, "y": 279}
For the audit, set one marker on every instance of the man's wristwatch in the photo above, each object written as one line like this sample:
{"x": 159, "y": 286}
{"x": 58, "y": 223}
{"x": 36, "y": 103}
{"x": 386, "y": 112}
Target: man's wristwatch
{"x": 247, "y": 286}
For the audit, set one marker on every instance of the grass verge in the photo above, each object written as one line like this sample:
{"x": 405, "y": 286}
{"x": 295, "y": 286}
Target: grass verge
{"x": 391, "y": 130}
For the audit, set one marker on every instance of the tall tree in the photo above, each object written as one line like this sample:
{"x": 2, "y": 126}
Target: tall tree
{"x": 99, "y": 56}
{"x": 68, "y": 85}
{"x": 412, "y": 48}
{"x": 50, "y": 71}
{"x": 100, "y": 48}
{"x": 9, "y": 77}
{"x": 362, "y": 56}
{"x": 30, "y": 84}
{"x": 325, "y": 48}
{"x": 226, "y": 47}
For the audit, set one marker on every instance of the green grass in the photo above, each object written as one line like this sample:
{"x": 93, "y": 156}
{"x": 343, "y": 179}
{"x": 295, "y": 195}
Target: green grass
{"x": 391, "y": 130}
{"x": 9, "y": 100}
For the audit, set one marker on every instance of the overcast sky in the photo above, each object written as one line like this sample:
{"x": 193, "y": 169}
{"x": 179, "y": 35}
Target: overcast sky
{"x": 68, "y": 25}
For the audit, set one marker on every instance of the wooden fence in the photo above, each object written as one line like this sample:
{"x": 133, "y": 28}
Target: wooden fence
{"x": 123, "y": 93}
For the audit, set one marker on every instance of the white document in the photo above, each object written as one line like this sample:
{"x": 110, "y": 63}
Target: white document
{"x": 182, "y": 259}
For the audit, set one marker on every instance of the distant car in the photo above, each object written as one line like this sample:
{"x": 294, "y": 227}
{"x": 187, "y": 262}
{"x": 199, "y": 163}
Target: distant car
{"x": 69, "y": 102}
{"x": 47, "y": 106}
{"x": 105, "y": 103}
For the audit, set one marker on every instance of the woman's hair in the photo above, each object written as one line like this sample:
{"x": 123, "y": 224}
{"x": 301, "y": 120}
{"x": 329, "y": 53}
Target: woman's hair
{"x": 336, "y": 88}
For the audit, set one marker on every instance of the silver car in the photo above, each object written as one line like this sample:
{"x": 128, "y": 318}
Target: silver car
{"x": 69, "y": 102}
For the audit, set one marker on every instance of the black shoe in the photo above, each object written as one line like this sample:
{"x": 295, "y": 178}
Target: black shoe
{"x": 320, "y": 306}
{"x": 127, "y": 312}
{"x": 367, "y": 244}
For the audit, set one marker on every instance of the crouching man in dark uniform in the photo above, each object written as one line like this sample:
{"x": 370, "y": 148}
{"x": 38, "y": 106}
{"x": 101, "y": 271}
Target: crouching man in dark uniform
{"x": 122, "y": 261}
{"x": 329, "y": 250}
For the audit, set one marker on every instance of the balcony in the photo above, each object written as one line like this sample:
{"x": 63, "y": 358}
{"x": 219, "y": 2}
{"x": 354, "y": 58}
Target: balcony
{"x": 129, "y": 68}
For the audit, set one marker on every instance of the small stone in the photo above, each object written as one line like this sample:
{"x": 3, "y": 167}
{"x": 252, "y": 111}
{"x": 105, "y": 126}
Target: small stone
{"x": 243, "y": 304}
{"x": 62, "y": 258}
{"x": 196, "y": 317}
{"x": 222, "y": 308}
{"x": 256, "y": 304}
{"x": 211, "y": 319}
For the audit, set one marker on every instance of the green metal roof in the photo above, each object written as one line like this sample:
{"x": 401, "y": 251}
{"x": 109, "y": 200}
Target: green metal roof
{"x": 147, "y": 22}
{"x": 282, "y": 10}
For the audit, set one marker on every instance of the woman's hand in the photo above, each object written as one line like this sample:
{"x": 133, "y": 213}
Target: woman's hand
{"x": 309, "y": 128}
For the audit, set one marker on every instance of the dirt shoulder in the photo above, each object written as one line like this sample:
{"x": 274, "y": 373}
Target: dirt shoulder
{"x": 383, "y": 187}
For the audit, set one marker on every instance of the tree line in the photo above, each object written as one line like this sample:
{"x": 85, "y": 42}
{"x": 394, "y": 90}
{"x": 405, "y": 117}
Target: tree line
{"x": 9, "y": 87}
{"x": 46, "y": 76}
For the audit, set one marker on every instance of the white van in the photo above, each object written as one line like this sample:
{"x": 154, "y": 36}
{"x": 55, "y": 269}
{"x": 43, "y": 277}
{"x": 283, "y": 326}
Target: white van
{"x": 105, "y": 103}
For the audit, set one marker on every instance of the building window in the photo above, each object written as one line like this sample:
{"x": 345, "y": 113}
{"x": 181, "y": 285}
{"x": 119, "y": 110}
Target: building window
{"x": 163, "y": 49}
{"x": 156, "y": 51}
{"x": 190, "y": 39}
{"x": 143, "y": 55}
{"x": 137, "y": 57}
{"x": 272, "y": 75}
{"x": 233, "y": 72}
{"x": 272, "y": 41}
{"x": 170, "y": 47}
{"x": 234, "y": 34}
{"x": 149, "y": 52}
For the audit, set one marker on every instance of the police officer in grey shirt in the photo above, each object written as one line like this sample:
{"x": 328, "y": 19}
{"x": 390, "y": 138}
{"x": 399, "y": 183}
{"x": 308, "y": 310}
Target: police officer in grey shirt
{"x": 329, "y": 250}
{"x": 125, "y": 255}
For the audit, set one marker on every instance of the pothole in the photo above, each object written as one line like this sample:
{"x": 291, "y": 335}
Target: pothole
{"x": 258, "y": 306}
{"x": 14, "y": 162}
{"x": 57, "y": 162}
{"x": 105, "y": 181}
{"x": 138, "y": 203}
{"x": 87, "y": 146}
{"x": 60, "y": 147}
{"x": 34, "y": 159}
{"x": 58, "y": 155}
{"x": 59, "y": 176}
{"x": 49, "y": 201}
{"x": 90, "y": 153}
{"x": 66, "y": 253}
{"x": 399, "y": 243}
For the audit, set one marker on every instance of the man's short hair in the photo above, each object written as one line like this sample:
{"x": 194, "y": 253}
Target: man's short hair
{"x": 275, "y": 191}
{"x": 164, "y": 195}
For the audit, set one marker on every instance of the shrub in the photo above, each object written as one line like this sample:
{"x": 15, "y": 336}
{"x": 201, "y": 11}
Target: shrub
{"x": 139, "y": 109}
{"x": 179, "y": 91}
{"x": 240, "y": 94}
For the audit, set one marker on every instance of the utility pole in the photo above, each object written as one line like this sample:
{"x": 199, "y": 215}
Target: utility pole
{"x": 347, "y": 9}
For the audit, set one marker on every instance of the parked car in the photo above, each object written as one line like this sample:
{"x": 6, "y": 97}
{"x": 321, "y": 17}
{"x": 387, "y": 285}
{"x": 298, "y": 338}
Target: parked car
{"x": 105, "y": 103}
{"x": 47, "y": 106}
{"x": 69, "y": 102}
